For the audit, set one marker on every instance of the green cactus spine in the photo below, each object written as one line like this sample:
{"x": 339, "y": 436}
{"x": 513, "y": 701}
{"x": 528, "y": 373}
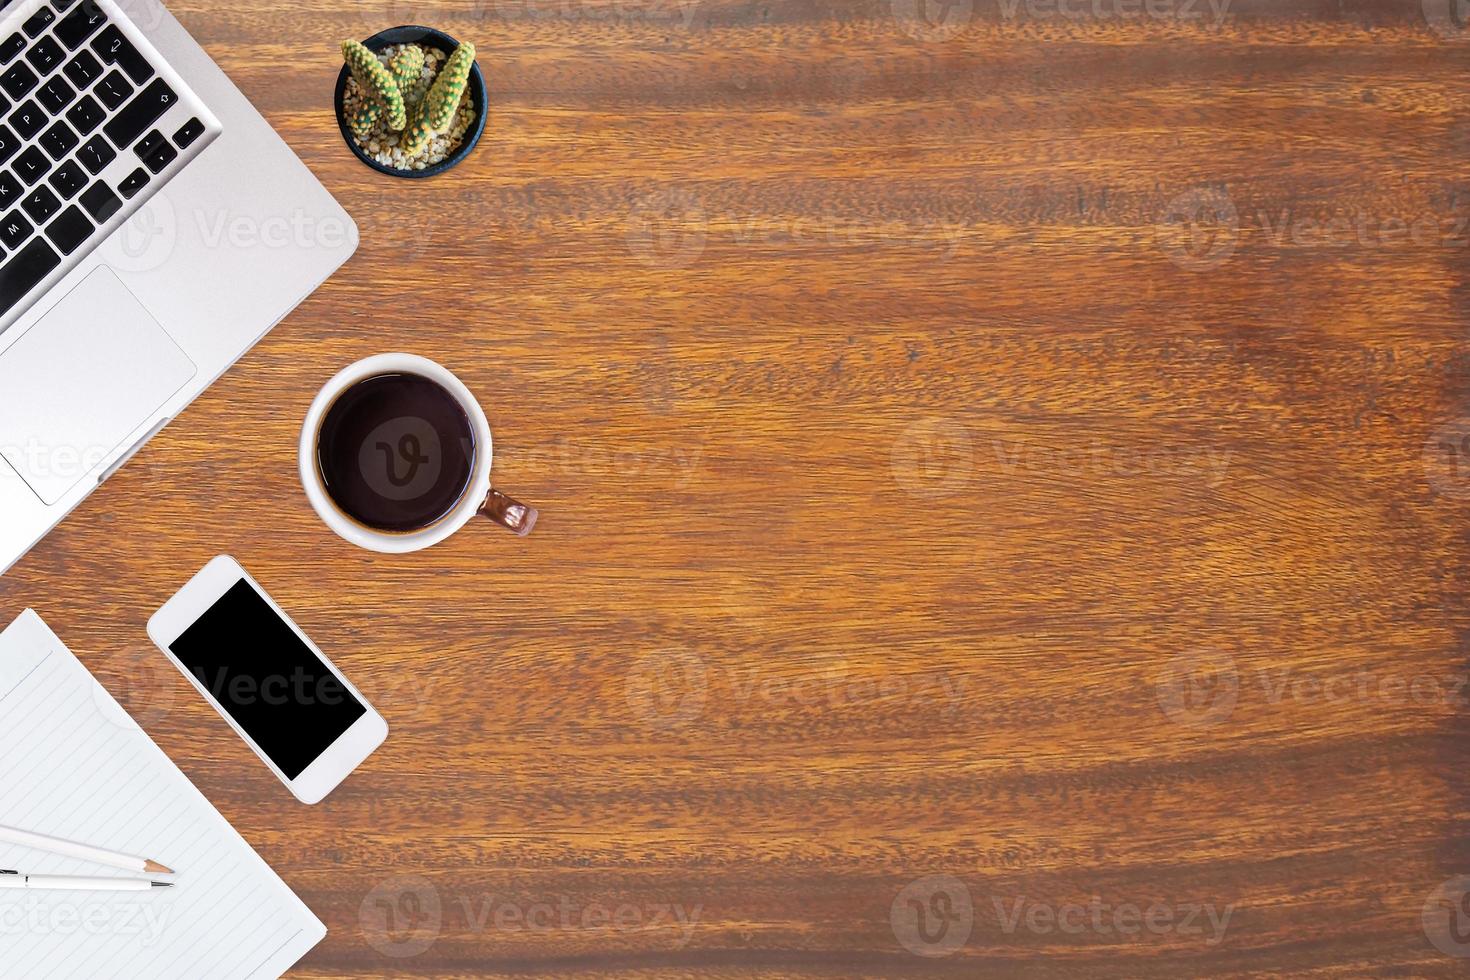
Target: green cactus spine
{"x": 362, "y": 120}
{"x": 406, "y": 66}
{"x": 444, "y": 95}
{"x": 436, "y": 112}
{"x": 377, "y": 83}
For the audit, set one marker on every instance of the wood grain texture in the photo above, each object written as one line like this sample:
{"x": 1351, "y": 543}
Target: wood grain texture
{"x": 919, "y": 497}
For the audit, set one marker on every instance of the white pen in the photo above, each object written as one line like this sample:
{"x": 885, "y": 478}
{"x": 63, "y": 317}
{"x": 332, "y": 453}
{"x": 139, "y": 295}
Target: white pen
{"x": 14, "y": 879}
{"x": 84, "y": 852}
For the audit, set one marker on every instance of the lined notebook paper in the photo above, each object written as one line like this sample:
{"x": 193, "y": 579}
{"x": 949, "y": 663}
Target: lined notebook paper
{"x": 74, "y": 765}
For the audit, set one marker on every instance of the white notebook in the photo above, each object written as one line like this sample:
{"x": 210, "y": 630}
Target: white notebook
{"x": 74, "y": 765}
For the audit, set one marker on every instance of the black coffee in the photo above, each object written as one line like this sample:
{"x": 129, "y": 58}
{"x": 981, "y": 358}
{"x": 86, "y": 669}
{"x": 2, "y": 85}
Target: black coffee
{"x": 396, "y": 452}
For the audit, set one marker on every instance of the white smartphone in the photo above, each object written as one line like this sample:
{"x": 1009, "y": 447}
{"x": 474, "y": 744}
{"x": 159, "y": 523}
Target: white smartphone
{"x": 267, "y": 679}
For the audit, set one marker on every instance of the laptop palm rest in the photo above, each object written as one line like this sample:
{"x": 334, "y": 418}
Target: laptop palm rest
{"x": 81, "y": 381}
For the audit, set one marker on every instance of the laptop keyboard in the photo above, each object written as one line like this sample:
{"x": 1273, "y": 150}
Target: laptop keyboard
{"x": 92, "y": 123}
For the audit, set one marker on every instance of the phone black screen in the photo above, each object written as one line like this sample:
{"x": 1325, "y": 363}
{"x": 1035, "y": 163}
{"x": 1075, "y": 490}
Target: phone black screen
{"x": 264, "y": 677}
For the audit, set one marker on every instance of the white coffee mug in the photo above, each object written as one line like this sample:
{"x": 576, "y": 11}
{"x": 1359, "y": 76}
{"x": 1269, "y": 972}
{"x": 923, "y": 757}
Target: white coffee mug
{"x": 478, "y": 496}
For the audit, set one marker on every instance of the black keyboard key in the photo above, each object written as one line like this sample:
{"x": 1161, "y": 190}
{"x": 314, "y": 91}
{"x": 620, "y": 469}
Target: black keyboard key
{"x": 14, "y": 230}
{"x": 113, "y": 91}
{"x": 149, "y": 143}
{"x": 25, "y": 268}
{"x": 78, "y": 25}
{"x": 188, "y": 133}
{"x": 100, "y": 202}
{"x": 59, "y": 140}
{"x": 140, "y": 113}
{"x": 96, "y": 153}
{"x": 12, "y": 46}
{"x": 83, "y": 70}
{"x": 114, "y": 49}
{"x": 56, "y": 95}
{"x": 68, "y": 179}
{"x": 37, "y": 23}
{"x": 18, "y": 80}
{"x": 85, "y": 115}
{"x": 165, "y": 155}
{"x": 45, "y": 55}
{"x": 28, "y": 119}
{"x": 32, "y": 165}
{"x": 41, "y": 205}
{"x": 9, "y": 143}
{"x": 133, "y": 182}
{"x": 155, "y": 151}
{"x": 62, "y": 4}
{"x": 69, "y": 230}
{"x": 10, "y": 189}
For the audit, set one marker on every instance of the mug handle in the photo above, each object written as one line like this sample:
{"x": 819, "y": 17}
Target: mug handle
{"x": 510, "y": 514}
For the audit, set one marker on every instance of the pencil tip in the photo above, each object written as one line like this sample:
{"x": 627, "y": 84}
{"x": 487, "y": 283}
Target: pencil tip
{"x": 163, "y": 884}
{"x": 157, "y": 868}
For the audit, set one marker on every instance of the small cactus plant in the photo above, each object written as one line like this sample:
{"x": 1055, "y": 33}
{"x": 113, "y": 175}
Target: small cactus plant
{"x": 386, "y": 92}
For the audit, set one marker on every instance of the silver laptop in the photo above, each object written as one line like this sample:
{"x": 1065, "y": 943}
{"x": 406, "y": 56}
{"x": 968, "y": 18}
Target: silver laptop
{"x": 153, "y": 227}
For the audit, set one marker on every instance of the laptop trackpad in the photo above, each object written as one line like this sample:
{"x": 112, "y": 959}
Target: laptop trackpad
{"x": 86, "y": 377}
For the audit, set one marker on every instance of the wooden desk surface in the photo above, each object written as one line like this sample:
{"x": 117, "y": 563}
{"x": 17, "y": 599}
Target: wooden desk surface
{"x": 1005, "y": 467}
